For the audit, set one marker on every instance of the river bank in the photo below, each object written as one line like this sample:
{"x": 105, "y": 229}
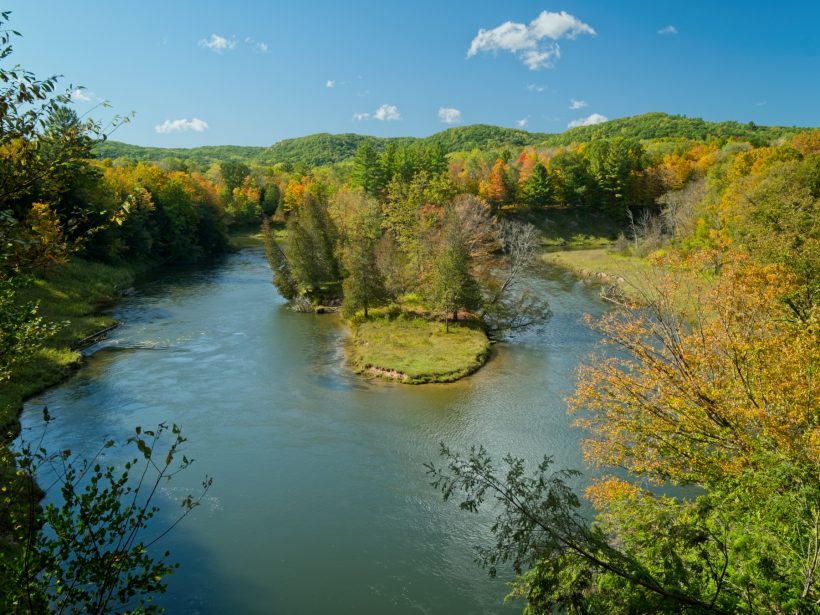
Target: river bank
{"x": 77, "y": 296}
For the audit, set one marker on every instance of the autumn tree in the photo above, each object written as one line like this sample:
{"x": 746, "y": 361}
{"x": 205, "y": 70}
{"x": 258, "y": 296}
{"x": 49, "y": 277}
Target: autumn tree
{"x": 691, "y": 398}
{"x": 497, "y": 187}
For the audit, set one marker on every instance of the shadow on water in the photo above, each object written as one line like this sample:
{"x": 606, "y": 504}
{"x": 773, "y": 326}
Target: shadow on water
{"x": 320, "y": 502}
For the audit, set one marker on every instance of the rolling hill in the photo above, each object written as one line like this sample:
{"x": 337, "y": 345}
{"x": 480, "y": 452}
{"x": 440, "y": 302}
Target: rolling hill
{"x": 324, "y": 148}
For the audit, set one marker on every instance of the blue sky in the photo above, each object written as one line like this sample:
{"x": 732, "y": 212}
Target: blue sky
{"x": 254, "y": 72}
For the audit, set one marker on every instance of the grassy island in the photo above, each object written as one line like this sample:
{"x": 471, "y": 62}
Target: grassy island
{"x": 413, "y": 350}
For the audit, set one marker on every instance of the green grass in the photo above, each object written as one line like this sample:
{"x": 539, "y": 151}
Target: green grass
{"x": 416, "y": 351}
{"x": 632, "y": 273}
{"x": 70, "y": 295}
{"x": 637, "y": 278}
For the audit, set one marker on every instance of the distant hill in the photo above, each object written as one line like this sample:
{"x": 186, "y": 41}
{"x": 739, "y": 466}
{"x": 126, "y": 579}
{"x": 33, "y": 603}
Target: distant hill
{"x": 662, "y": 125}
{"x": 324, "y": 148}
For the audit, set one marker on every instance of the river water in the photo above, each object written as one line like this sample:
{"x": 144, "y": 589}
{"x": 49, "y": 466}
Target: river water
{"x": 320, "y": 502}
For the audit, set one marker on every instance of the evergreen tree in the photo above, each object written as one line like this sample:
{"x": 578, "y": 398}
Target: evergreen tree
{"x": 367, "y": 171}
{"x": 363, "y": 285}
{"x": 538, "y": 188}
{"x": 451, "y": 286}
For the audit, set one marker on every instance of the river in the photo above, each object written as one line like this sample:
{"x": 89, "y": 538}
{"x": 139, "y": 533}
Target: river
{"x": 320, "y": 502}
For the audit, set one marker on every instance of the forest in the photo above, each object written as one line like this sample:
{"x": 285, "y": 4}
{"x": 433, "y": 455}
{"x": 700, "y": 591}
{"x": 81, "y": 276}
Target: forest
{"x": 711, "y": 387}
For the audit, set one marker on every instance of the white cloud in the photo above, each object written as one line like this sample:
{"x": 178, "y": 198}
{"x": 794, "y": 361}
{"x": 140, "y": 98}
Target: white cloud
{"x": 258, "y": 46}
{"x": 577, "y": 104}
{"x": 217, "y": 43}
{"x": 80, "y": 95}
{"x": 448, "y": 115}
{"x": 529, "y": 42}
{"x": 387, "y": 113}
{"x": 522, "y": 123}
{"x": 595, "y": 118}
{"x": 762, "y": 103}
{"x": 181, "y": 125}
{"x": 670, "y": 29}
{"x": 532, "y": 87}
{"x": 330, "y": 83}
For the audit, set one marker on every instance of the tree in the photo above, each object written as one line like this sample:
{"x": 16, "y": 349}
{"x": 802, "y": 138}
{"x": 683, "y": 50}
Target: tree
{"x": 451, "y": 287}
{"x": 497, "y": 185}
{"x": 310, "y": 246}
{"x": 690, "y": 398}
{"x": 538, "y": 190}
{"x": 282, "y": 275}
{"x": 364, "y": 285}
{"x": 367, "y": 172}
{"x": 89, "y": 552}
{"x": 508, "y": 305}
{"x": 575, "y": 185}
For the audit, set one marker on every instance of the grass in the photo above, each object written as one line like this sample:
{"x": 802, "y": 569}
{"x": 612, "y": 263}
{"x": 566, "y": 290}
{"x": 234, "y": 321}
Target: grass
{"x": 71, "y": 295}
{"x": 637, "y": 278}
{"x": 633, "y": 274}
{"x": 416, "y": 351}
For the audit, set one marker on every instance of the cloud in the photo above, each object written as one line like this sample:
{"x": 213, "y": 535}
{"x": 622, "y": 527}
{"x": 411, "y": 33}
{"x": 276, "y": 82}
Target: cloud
{"x": 217, "y": 43}
{"x": 532, "y": 87}
{"x": 595, "y": 118}
{"x": 387, "y": 113}
{"x": 181, "y": 125}
{"x": 577, "y": 104}
{"x": 534, "y": 44}
{"x": 448, "y": 115}
{"x": 330, "y": 83}
{"x": 668, "y": 30}
{"x": 79, "y": 95}
{"x": 762, "y": 103}
{"x": 258, "y": 46}
{"x": 522, "y": 123}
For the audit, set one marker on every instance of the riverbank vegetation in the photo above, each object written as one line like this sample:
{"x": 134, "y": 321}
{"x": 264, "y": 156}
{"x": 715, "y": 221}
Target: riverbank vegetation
{"x": 422, "y": 244}
{"x": 715, "y": 394}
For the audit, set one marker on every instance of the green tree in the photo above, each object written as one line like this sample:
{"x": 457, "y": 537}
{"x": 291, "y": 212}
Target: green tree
{"x": 364, "y": 285}
{"x": 538, "y": 188}
{"x": 367, "y": 171}
{"x": 450, "y": 286}
{"x": 310, "y": 246}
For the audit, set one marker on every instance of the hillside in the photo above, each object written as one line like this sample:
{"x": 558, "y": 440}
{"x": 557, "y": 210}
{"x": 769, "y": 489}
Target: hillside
{"x": 662, "y": 125}
{"x": 324, "y": 148}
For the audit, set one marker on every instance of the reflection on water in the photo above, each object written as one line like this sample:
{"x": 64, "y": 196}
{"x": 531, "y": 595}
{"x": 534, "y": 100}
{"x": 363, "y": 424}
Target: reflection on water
{"x": 320, "y": 502}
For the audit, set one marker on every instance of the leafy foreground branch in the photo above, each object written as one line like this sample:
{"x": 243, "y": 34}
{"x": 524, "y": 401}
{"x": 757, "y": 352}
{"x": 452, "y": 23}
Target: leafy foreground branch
{"x": 89, "y": 550}
{"x": 540, "y": 528}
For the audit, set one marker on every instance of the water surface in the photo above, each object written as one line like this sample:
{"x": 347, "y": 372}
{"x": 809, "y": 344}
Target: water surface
{"x": 320, "y": 502}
